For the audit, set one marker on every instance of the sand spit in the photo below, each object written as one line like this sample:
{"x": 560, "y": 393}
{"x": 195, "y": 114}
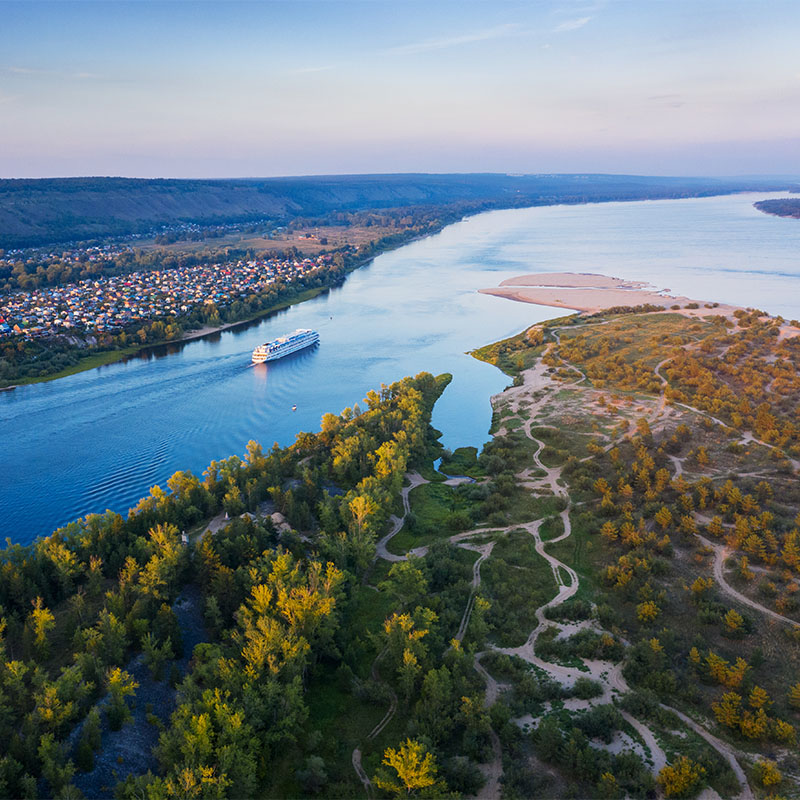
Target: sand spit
{"x": 589, "y": 294}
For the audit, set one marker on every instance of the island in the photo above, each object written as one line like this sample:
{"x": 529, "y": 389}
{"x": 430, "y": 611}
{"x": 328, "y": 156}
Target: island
{"x": 787, "y": 207}
{"x": 602, "y": 602}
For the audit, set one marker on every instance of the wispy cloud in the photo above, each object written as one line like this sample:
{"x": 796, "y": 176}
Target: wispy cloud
{"x": 53, "y": 72}
{"x": 445, "y": 42}
{"x": 307, "y": 70}
{"x": 26, "y": 71}
{"x": 669, "y": 100}
{"x": 571, "y": 25}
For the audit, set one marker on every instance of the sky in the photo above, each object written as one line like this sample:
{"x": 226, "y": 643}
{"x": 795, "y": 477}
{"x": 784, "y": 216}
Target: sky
{"x": 302, "y": 87}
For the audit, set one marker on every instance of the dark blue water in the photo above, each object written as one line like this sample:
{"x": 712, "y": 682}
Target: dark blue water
{"x": 101, "y": 439}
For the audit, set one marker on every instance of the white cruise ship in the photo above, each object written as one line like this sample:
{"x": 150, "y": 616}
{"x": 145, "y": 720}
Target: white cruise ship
{"x": 283, "y": 345}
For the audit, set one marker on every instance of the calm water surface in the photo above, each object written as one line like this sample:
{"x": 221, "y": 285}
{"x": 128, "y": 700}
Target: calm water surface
{"x": 102, "y": 438}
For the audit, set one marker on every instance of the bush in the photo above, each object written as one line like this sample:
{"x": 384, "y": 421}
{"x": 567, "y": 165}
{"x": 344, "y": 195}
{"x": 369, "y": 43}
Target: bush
{"x": 462, "y": 775}
{"x": 586, "y": 688}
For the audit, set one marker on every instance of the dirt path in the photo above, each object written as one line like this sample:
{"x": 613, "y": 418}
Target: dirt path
{"x": 415, "y": 479}
{"x": 745, "y": 792}
{"x": 608, "y": 675}
{"x": 721, "y": 553}
{"x": 362, "y": 775}
{"x": 485, "y": 551}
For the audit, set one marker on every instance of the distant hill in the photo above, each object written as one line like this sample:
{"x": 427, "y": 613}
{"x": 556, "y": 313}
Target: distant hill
{"x": 780, "y": 208}
{"x": 44, "y": 211}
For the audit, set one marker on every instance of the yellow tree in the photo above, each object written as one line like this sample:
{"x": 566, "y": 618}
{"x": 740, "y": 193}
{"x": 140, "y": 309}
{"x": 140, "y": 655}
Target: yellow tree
{"x": 767, "y": 772}
{"x": 647, "y": 611}
{"x": 733, "y": 621}
{"x": 414, "y": 767}
{"x": 680, "y": 778}
{"x": 663, "y": 517}
{"x": 728, "y": 710}
{"x": 361, "y": 507}
{"x": 42, "y": 622}
{"x": 794, "y": 695}
{"x": 759, "y": 698}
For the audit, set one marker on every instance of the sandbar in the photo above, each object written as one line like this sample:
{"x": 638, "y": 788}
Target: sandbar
{"x": 589, "y": 294}
{"x": 573, "y": 280}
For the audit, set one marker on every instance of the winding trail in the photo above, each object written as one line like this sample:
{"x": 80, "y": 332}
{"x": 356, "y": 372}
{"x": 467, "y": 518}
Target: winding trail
{"x": 608, "y": 675}
{"x": 415, "y": 479}
{"x": 721, "y": 553}
{"x": 485, "y": 551}
{"x": 537, "y": 384}
{"x": 745, "y": 793}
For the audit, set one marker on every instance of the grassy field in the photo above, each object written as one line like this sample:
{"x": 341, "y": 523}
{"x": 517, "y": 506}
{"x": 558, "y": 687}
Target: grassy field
{"x": 438, "y": 512}
{"x": 516, "y": 580}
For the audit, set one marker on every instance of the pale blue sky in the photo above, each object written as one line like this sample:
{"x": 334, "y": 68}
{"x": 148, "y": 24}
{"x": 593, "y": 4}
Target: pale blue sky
{"x": 285, "y": 88}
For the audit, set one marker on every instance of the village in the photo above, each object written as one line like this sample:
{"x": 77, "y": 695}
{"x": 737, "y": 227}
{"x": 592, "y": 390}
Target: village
{"x": 109, "y": 304}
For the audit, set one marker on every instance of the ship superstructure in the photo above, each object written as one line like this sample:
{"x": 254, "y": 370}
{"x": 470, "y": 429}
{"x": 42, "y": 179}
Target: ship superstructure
{"x": 284, "y": 345}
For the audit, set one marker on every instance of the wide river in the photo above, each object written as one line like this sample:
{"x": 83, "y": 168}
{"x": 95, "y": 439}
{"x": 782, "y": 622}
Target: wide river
{"x": 102, "y": 438}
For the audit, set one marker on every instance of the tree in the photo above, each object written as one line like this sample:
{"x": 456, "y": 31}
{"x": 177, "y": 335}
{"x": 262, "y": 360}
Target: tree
{"x": 766, "y": 772}
{"x": 156, "y": 655}
{"x": 759, "y": 698}
{"x": 607, "y": 787}
{"x": 407, "y": 582}
{"x": 120, "y": 685}
{"x": 42, "y": 622}
{"x": 663, "y": 517}
{"x": 362, "y": 508}
{"x": 415, "y": 768}
{"x": 733, "y": 622}
{"x": 794, "y": 695}
{"x": 313, "y": 776}
{"x": 55, "y": 769}
{"x": 232, "y": 502}
{"x": 680, "y": 778}
{"x": 647, "y": 611}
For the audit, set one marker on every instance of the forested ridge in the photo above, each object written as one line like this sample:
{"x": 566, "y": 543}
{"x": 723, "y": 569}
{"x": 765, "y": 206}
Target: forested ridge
{"x": 45, "y": 211}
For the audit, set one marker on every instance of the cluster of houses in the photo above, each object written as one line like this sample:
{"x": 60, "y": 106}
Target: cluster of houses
{"x": 71, "y": 255}
{"x": 110, "y": 304}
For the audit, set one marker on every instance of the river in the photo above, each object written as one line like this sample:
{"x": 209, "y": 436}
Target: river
{"x": 100, "y": 439}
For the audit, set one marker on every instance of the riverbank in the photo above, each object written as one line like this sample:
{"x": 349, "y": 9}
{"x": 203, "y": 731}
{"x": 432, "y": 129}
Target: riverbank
{"x": 112, "y": 356}
{"x": 103, "y": 358}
